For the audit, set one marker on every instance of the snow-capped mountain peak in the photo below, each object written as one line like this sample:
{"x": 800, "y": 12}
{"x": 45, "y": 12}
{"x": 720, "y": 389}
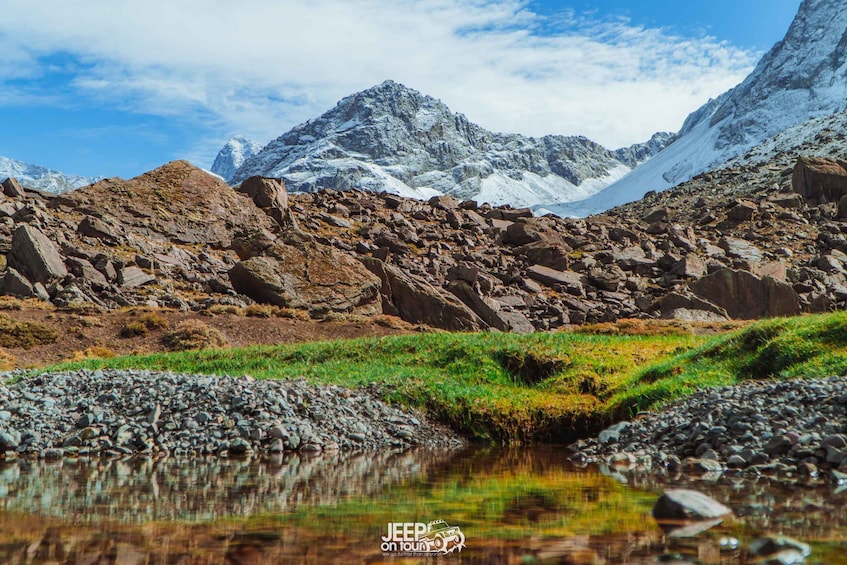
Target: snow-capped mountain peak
{"x": 41, "y": 178}
{"x": 393, "y": 138}
{"x": 237, "y": 150}
{"x": 802, "y": 77}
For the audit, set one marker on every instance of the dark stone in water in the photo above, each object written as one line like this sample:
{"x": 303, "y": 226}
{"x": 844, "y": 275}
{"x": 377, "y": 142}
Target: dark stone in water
{"x": 686, "y": 504}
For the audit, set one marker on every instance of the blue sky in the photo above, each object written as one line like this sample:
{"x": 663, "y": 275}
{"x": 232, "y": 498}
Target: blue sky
{"x": 114, "y": 88}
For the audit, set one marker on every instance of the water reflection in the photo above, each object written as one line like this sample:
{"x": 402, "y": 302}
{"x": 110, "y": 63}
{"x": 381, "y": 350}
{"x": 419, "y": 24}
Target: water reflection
{"x": 141, "y": 490}
{"x": 513, "y": 506}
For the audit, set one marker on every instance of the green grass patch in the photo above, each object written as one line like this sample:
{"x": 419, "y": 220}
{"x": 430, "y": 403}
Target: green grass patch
{"x": 497, "y": 387}
{"x": 782, "y": 348}
{"x": 541, "y": 387}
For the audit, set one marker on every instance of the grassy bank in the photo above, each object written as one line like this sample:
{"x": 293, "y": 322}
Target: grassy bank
{"x": 542, "y": 387}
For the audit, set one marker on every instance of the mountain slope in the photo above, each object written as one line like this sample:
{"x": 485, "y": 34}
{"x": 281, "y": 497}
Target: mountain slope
{"x": 804, "y": 76}
{"x": 237, "y": 150}
{"x": 395, "y": 139}
{"x": 41, "y": 178}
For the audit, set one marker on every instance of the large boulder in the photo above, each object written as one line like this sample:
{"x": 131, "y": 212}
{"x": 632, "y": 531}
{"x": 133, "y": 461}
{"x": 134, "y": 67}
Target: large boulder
{"x": 552, "y": 254}
{"x": 418, "y": 302}
{"x": 12, "y": 188}
{"x": 265, "y": 192}
{"x": 686, "y": 306}
{"x": 301, "y": 273}
{"x": 528, "y": 230}
{"x": 35, "y": 256}
{"x": 744, "y": 295}
{"x": 819, "y": 179}
{"x": 14, "y": 284}
{"x": 573, "y": 282}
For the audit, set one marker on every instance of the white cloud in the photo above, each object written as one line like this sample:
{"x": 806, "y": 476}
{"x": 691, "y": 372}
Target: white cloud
{"x": 259, "y": 67}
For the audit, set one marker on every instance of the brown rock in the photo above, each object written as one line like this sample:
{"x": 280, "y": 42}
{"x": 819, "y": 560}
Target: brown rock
{"x": 463, "y": 272}
{"x": 555, "y": 255}
{"x": 444, "y": 202}
{"x": 14, "y": 284}
{"x": 686, "y": 504}
{"x": 176, "y": 203}
{"x": 35, "y": 256}
{"x": 775, "y": 269}
{"x": 265, "y": 192}
{"x": 514, "y": 213}
{"x": 742, "y": 211}
{"x": 490, "y": 310}
{"x": 517, "y": 322}
{"x": 656, "y": 215}
{"x": 99, "y": 229}
{"x": 500, "y": 225}
{"x": 472, "y": 300}
{"x": 690, "y": 266}
{"x": 528, "y": 230}
{"x": 551, "y": 277}
{"x": 12, "y": 188}
{"x": 252, "y": 244}
{"x": 418, "y": 302}
{"x": 746, "y": 296}
{"x": 819, "y": 179}
{"x": 393, "y": 243}
{"x": 301, "y": 273}
{"x": 788, "y": 201}
{"x": 606, "y": 278}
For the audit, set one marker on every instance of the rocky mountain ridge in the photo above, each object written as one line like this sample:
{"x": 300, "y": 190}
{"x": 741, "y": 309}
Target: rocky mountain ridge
{"x": 764, "y": 240}
{"x": 396, "y": 139}
{"x": 803, "y": 77}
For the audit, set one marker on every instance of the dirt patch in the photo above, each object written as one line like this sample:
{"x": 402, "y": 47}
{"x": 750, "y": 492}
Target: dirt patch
{"x": 81, "y": 333}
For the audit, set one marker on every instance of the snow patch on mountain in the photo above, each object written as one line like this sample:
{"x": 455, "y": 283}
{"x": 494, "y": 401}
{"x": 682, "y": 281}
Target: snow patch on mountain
{"x": 41, "y": 178}
{"x": 396, "y": 139}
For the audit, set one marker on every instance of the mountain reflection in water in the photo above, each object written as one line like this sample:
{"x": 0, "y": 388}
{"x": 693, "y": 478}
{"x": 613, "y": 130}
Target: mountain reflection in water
{"x": 513, "y": 506}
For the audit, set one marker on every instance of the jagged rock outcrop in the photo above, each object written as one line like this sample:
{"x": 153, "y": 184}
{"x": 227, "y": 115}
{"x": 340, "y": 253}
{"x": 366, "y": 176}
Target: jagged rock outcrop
{"x": 177, "y": 202}
{"x": 746, "y": 296}
{"x": 637, "y": 153}
{"x": 419, "y": 302}
{"x": 35, "y": 256}
{"x": 297, "y": 272}
{"x": 396, "y": 139}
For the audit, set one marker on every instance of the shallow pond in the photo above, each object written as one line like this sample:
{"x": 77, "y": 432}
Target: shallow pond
{"x": 506, "y": 506}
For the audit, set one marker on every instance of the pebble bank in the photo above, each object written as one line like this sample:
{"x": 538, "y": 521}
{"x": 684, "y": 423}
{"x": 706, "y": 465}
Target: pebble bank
{"x": 126, "y": 412}
{"x": 787, "y": 428}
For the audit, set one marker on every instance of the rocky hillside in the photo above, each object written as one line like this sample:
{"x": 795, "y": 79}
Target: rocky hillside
{"x": 396, "y": 139}
{"x": 743, "y": 242}
{"x": 40, "y": 177}
{"x": 802, "y": 77}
